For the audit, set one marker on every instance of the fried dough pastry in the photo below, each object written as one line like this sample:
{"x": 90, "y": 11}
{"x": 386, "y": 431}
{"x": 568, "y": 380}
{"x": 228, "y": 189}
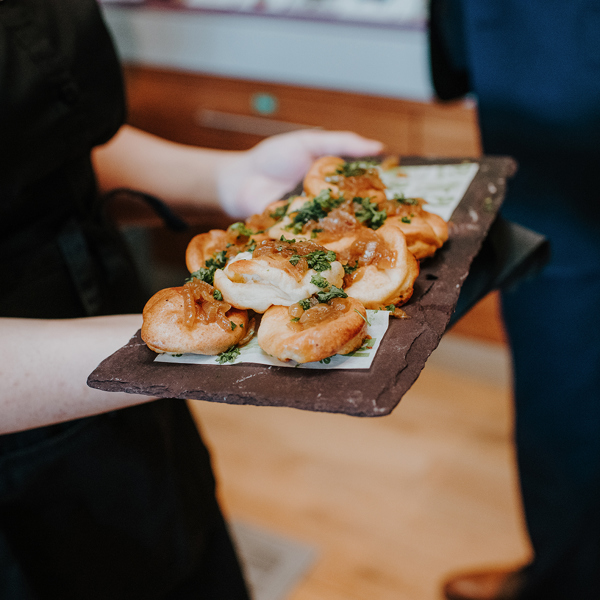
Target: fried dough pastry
{"x": 277, "y": 273}
{"x": 385, "y": 270}
{"x": 171, "y": 323}
{"x": 315, "y": 336}
{"x": 356, "y": 178}
{"x": 425, "y": 231}
{"x": 285, "y": 225}
{"x": 203, "y": 246}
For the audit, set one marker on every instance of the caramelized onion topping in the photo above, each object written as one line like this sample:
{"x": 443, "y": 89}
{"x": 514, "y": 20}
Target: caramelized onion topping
{"x": 367, "y": 249}
{"x": 281, "y": 252}
{"x": 199, "y": 304}
{"x": 317, "y": 313}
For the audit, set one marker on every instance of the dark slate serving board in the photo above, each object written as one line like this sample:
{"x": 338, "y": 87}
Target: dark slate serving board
{"x": 366, "y": 393}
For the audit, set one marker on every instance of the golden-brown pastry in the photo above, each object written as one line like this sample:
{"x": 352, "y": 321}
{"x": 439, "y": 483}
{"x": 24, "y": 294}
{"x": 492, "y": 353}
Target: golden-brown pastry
{"x": 425, "y": 231}
{"x": 187, "y": 319}
{"x": 355, "y": 178}
{"x": 384, "y": 269}
{"x": 277, "y": 273}
{"x": 203, "y": 246}
{"x": 339, "y": 329}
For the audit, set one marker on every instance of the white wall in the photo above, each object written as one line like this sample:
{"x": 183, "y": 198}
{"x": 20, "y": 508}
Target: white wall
{"x": 380, "y": 60}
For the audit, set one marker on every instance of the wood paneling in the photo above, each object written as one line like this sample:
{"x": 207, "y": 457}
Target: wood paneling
{"x": 174, "y": 105}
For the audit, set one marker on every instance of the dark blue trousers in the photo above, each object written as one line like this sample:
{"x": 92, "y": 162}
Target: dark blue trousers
{"x": 553, "y": 322}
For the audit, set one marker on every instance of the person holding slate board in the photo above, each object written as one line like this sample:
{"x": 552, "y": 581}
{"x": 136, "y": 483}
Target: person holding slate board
{"x": 101, "y": 495}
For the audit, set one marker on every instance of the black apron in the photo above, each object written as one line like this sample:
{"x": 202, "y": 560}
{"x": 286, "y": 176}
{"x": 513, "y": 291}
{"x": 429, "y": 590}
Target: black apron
{"x": 121, "y": 505}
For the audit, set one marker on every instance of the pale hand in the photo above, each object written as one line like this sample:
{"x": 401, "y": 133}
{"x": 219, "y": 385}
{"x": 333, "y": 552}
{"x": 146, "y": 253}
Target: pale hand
{"x": 251, "y": 180}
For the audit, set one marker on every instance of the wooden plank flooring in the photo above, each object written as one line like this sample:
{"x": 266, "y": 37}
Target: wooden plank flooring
{"x": 391, "y": 504}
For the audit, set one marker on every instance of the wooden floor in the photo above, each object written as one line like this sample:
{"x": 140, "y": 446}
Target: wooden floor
{"x": 392, "y": 504}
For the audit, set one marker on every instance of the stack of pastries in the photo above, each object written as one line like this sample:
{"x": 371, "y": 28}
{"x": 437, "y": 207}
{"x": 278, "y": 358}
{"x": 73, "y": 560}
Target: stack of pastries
{"x": 301, "y": 275}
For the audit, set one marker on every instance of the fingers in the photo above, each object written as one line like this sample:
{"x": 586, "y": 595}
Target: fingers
{"x": 320, "y": 143}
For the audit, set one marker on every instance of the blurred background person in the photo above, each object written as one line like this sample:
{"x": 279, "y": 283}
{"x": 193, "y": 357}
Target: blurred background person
{"x": 535, "y": 70}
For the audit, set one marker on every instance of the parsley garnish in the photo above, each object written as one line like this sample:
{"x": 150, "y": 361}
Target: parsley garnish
{"x": 280, "y": 212}
{"x": 325, "y": 361}
{"x": 355, "y": 168}
{"x": 333, "y": 292}
{"x": 407, "y": 220}
{"x": 402, "y": 200}
{"x": 233, "y": 325}
{"x": 217, "y": 295}
{"x": 319, "y": 281}
{"x": 207, "y": 274}
{"x": 313, "y": 210}
{"x": 363, "y": 318}
{"x": 314, "y": 233}
{"x": 305, "y": 304}
{"x": 368, "y": 214}
{"x": 295, "y": 319}
{"x": 320, "y": 260}
{"x": 229, "y": 355}
{"x": 349, "y": 269}
{"x": 241, "y": 229}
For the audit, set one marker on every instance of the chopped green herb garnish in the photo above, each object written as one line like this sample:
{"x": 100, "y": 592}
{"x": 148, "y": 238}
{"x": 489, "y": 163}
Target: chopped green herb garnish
{"x": 407, "y": 220}
{"x": 233, "y": 325}
{"x": 217, "y": 295}
{"x": 202, "y": 274}
{"x": 313, "y": 210}
{"x": 333, "y": 292}
{"x": 295, "y": 319}
{"x": 280, "y": 212}
{"x": 229, "y": 355}
{"x": 402, "y": 200}
{"x": 283, "y": 239}
{"x": 314, "y": 233}
{"x": 241, "y": 229}
{"x": 320, "y": 260}
{"x": 355, "y": 168}
{"x": 349, "y": 269}
{"x": 319, "y": 281}
{"x": 363, "y": 318}
{"x": 207, "y": 273}
{"x": 368, "y": 214}
{"x": 390, "y": 307}
{"x": 325, "y": 361}
{"x": 305, "y": 304}
{"x": 219, "y": 260}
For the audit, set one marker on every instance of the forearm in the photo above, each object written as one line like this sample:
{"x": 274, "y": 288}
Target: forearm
{"x": 176, "y": 173}
{"x": 44, "y": 365}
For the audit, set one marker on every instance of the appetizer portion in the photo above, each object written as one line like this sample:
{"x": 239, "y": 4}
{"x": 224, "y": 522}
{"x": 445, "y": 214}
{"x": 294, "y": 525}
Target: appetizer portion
{"x": 278, "y": 272}
{"x": 425, "y": 231}
{"x": 380, "y": 270}
{"x": 192, "y": 319}
{"x": 312, "y": 330}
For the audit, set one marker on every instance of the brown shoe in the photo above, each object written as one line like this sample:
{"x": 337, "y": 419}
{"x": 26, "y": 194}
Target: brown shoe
{"x": 484, "y": 585}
